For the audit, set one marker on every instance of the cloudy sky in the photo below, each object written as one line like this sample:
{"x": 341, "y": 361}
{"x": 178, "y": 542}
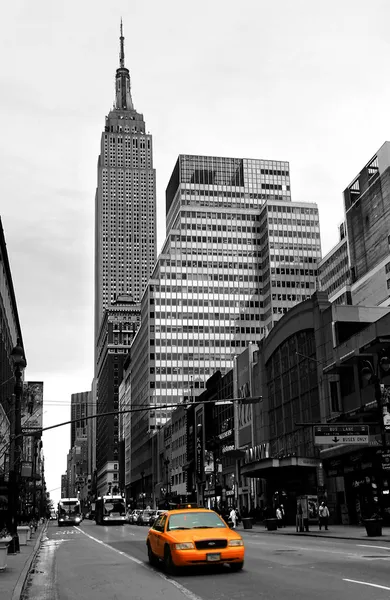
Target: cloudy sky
{"x": 292, "y": 80}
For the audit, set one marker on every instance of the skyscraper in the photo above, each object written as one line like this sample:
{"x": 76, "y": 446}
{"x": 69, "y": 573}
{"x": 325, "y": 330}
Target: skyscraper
{"x": 238, "y": 254}
{"x": 125, "y": 206}
{"x": 125, "y": 253}
{"x": 79, "y": 409}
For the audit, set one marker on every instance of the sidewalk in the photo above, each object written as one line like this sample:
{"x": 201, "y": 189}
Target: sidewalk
{"x": 18, "y": 565}
{"x": 342, "y": 532}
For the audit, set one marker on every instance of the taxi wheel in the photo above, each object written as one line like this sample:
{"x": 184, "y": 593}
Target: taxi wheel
{"x": 236, "y": 566}
{"x": 152, "y": 558}
{"x": 168, "y": 562}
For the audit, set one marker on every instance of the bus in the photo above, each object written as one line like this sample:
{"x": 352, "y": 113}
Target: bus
{"x": 69, "y": 512}
{"x": 110, "y": 509}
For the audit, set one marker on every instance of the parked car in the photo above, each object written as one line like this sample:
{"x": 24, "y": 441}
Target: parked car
{"x": 155, "y": 514}
{"x": 144, "y": 517}
{"x": 134, "y": 516}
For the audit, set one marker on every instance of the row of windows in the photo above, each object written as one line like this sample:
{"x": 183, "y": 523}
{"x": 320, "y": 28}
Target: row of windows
{"x": 210, "y": 276}
{"x": 341, "y": 267}
{"x": 216, "y": 302}
{"x": 293, "y": 284}
{"x": 161, "y": 314}
{"x": 293, "y": 233}
{"x": 200, "y": 342}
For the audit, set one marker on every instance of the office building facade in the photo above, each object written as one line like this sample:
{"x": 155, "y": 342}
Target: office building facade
{"x": 220, "y": 281}
{"x": 357, "y": 270}
{"x": 334, "y": 271}
{"x": 367, "y": 214}
{"x": 79, "y": 409}
{"x": 117, "y": 331}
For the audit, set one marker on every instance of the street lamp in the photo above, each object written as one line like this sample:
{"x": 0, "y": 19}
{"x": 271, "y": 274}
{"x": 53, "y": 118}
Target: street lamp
{"x": 18, "y": 363}
{"x": 143, "y": 490}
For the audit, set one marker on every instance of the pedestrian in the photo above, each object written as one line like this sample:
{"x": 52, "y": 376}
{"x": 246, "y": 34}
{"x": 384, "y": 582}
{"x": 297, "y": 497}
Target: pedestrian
{"x": 323, "y": 516}
{"x": 279, "y": 517}
{"x": 233, "y": 517}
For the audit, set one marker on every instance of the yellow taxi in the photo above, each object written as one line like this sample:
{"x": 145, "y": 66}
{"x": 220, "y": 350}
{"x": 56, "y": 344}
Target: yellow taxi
{"x": 188, "y": 536}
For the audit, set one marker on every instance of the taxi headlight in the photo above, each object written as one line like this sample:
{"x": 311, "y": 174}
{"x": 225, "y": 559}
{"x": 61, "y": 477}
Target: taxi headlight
{"x": 185, "y": 546}
{"x": 236, "y": 543}
{"x": 77, "y": 520}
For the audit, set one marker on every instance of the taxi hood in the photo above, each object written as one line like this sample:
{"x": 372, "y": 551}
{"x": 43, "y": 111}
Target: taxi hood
{"x": 195, "y": 535}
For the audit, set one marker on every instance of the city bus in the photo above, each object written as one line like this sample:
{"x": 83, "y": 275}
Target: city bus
{"x": 69, "y": 512}
{"x": 110, "y": 509}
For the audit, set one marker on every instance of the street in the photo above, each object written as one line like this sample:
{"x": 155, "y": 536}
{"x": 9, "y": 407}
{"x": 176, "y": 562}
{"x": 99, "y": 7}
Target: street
{"x": 110, "y": 563}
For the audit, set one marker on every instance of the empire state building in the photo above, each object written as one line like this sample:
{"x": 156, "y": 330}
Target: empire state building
{"x": 125, "y": 205}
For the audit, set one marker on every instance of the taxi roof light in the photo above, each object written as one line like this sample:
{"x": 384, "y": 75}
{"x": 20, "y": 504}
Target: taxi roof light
{"x": 188, "y": 505}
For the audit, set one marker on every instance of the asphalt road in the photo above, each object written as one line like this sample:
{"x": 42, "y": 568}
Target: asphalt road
{"x": 110, "y": 563}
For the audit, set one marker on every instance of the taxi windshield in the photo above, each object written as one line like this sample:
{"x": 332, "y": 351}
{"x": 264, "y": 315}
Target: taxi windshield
{"x": 195, "y": 520}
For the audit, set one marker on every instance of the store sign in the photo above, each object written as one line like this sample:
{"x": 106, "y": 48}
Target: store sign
{"x": 386, "y": 420}
{"x": 227, "y": 434}
{"x": 259, "y": 452}
{"x": 386, "y": 460}
{"x": 228, "y": 448}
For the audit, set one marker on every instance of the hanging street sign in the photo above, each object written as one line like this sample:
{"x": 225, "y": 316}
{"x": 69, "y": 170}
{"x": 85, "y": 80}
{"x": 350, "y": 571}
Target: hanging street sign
{"x": 340, "y": 434}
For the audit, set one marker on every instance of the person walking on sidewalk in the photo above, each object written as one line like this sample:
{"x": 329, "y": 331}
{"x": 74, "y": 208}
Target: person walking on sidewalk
{"x": 233, "y": 517}
{"x": 323, "y": 515}
{"x": 279, "y": 517}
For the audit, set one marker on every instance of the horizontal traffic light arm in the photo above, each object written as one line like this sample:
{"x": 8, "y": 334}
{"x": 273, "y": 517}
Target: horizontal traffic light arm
{"x": 150, "y": 407}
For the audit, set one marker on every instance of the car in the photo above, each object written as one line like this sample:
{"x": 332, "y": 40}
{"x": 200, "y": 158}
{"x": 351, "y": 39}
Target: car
{"x": 190, "y": 536}
{"x": 144, "y": 517}
{"x": 155, "y": 514}
{"x": 133, "y": 516}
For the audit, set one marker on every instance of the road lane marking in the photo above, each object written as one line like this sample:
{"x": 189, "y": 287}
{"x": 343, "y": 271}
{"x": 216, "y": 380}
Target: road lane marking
{"x": 379, "y": 547}
{"x": 375, "y": 585}
{"x": 190, "y": 595}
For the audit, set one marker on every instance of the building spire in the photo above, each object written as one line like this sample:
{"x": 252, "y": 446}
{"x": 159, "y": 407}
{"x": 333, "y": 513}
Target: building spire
{"x": 123, "y": 99}
{"x": 122, "y": 48}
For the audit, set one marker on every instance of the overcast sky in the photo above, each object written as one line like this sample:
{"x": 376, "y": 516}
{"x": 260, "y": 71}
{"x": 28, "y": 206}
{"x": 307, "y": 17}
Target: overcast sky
{"x": 294, "y": 80}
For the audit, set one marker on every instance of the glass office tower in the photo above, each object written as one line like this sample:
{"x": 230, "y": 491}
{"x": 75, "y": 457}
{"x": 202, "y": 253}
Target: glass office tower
{"x": 214, "y": 288}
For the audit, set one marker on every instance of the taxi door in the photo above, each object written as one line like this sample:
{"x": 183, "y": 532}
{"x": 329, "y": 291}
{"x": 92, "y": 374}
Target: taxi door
{"x": 159, "y": 547}
{"x": 154, "y": 533}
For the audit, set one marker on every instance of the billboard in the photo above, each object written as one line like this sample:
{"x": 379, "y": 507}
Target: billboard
{"x": 32, "y": 405}
{"x": 4, "y": 440}
{"x": 243, "y": 382}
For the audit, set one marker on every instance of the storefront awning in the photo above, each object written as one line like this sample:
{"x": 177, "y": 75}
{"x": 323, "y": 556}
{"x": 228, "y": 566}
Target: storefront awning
{"x": 264, "y": 467}
{"x": 346, "y": 360}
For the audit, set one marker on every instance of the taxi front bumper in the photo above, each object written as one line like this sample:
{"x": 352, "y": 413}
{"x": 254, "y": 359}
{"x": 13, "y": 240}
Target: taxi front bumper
{"x": 230, "y": 554}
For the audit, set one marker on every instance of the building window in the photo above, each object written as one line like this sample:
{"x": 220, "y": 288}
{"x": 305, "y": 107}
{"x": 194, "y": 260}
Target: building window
{"x": 334, "y": 397}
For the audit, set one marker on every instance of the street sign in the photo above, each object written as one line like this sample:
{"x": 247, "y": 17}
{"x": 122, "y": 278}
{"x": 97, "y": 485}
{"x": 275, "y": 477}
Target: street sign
{"x": 340, "y": 434}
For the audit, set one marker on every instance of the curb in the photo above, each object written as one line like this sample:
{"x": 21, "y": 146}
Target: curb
{"x": 326, "y": 536}
{"x": 18, "y": 589}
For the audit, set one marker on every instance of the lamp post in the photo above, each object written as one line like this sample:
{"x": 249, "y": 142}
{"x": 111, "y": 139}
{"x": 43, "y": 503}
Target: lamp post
{"x": 18, "y": 363}
{"x": 143, "y": 489}
{"x": 368, "y": 374}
